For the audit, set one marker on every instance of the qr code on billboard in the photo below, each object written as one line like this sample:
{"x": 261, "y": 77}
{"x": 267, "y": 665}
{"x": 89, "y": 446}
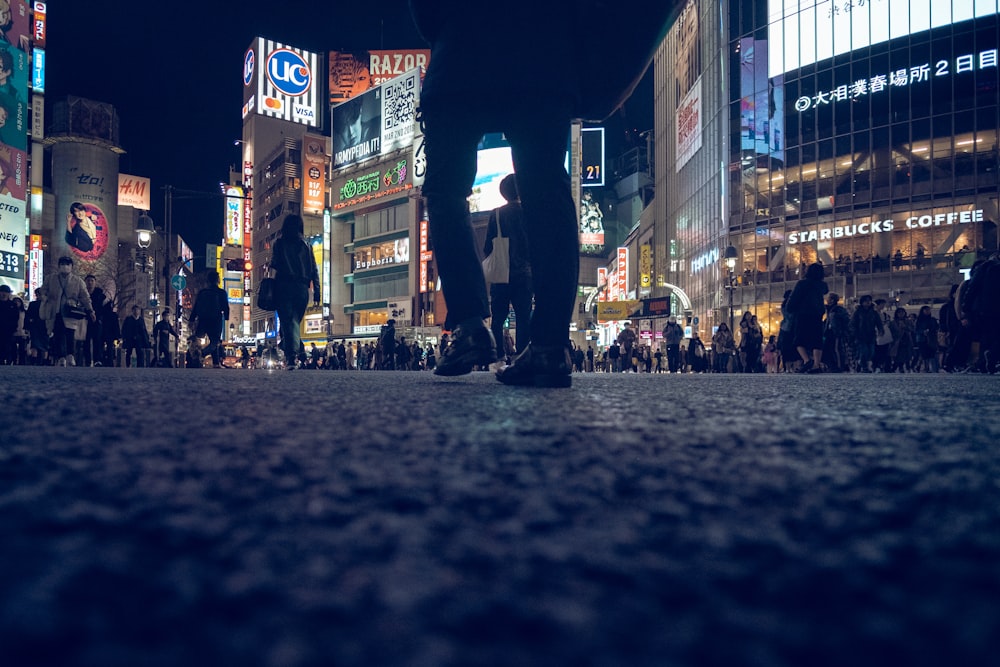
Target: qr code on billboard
{"x": 399, "y": 100}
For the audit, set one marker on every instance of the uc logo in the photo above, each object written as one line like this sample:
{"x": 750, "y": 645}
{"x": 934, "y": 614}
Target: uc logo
{"x": 248, "y": 68}
{"x": 288, "y": 72}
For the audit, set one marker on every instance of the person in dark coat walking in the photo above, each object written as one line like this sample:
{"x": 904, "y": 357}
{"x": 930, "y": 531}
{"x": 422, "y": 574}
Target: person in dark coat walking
{"x": 294, "y": 267}
{"x": 135, "y": 338}
{"x": 866, "y": 326}
{"x": 806, "y": 306}
{"x": 211, "y": 312}
{"x": 516, "y": 292}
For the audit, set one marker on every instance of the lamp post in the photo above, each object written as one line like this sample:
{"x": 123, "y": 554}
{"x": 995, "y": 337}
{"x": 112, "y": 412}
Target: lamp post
{"x": 731, "y": 255}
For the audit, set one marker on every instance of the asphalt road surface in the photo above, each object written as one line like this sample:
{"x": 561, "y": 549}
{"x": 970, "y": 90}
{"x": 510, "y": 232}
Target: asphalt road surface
{"x": 224, "y": 517}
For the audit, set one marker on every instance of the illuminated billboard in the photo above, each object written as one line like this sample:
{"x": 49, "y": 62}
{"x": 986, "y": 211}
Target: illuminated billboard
{"x": 351, "y": 74}
{"x": 493, "y": 163}
{"x": 281, "y": 82}
{"x": 133, "y": 191}
{"x": 376, "y": 122}
{"x": 762, "y": 102}
{"x": 15, "y": 39}
{"x": 802, "y": 32}
{"x": 314, "y": 159}
{"x": 234, "y": 215}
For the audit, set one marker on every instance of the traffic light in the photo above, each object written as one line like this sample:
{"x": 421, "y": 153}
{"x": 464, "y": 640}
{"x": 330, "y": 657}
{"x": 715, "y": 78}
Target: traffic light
{"x": 234, "y": 265}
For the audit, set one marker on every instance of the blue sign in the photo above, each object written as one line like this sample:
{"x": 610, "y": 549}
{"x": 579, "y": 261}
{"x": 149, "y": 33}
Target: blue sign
{"x": 289, "y": 72}
{"x": 248, "y": 67}
{"x": 38, "y": 70}
{"x": 178, "y": 282}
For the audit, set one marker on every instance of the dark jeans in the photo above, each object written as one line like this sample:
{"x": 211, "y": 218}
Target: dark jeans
{"x": 673, "y": 357}
{"x": 92, "y": 345}
{"x": 63, "y": 342}
{"x": 212, "y": 329}
{"x": 538, "y": 144}
{"x": 516, "y": 293}
{"x": 140, "y": 355}
{"x": 292, "y": 299}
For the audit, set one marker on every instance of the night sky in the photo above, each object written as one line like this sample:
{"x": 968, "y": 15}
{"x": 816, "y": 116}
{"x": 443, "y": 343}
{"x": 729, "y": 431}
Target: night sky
{"x": 172, "y": 70}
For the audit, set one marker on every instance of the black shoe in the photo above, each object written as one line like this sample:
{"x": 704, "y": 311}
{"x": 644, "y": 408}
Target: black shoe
{"x": 806, "y": 367}
{"x": 471, "y": 345}
{"x": 539, "y": 366}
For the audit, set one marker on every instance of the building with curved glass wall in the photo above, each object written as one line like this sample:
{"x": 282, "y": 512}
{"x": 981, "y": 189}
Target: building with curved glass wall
{"x": 861, "y": 134}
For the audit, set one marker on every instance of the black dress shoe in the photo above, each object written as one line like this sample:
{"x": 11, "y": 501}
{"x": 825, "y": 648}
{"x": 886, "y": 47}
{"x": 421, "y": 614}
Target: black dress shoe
{"x": 471, "y": 345}
{"x": 539, "y": 366}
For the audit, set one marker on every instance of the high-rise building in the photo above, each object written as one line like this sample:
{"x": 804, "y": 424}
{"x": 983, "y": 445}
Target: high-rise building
{"x": 862, "y": 135}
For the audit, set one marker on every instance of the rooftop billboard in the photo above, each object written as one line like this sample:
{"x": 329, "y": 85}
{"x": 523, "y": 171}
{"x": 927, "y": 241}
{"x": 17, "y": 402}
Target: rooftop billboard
{"x": 282, "y": 82}
{"x": 351, "y": 74}
{"x": 376, "y": 122}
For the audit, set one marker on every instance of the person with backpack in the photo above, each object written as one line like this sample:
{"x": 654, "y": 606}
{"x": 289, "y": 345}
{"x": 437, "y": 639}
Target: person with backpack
{"x": 211, "y": 312}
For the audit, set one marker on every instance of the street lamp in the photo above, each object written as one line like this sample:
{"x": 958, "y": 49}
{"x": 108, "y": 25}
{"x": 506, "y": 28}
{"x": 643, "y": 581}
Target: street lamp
{"x": 731, "y": 255}
{"x": 144, "y": 229}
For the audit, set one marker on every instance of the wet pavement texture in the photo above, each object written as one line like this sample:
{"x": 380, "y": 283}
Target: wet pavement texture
{"x": 226, "y": 517}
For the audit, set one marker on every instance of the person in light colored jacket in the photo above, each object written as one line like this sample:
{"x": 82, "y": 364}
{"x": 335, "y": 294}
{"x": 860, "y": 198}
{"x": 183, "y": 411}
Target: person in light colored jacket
{"x": 65, "y": 288}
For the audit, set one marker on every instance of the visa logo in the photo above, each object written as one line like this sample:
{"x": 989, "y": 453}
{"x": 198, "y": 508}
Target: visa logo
{"x": 288, "y": 72}
{"x": 303, "y": 112}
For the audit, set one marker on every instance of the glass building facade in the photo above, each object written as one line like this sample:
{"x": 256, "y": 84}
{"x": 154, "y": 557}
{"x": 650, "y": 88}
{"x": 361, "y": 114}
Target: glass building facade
{"x": 861, "y": 134}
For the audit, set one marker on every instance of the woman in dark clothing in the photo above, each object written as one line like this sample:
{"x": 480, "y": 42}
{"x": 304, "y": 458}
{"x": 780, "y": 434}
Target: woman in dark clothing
{"x": 517, "y": 291}
{"x": 806, "y": 306}
{"x": 294, "y": 268}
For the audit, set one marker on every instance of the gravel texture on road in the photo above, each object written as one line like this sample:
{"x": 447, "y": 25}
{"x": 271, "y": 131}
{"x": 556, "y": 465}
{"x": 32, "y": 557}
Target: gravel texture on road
{"x": 219, "y": 517}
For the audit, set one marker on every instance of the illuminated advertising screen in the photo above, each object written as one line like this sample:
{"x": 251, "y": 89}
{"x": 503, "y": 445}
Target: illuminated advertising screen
{"x": 376, "y": 122}
{"x": 802, "y": 32}
{"x": 15, "y": 34}
{"x": 493, "y": 163}
{"x": 385, "y": 181}
{"x": 39, "y": 27}
{"x": 282, "y": 82}
{"x": 592, "y": 157}
{"x": 762, "y": 102}
{"x": 687, "y": 125}
{"x": 314, "y": 159}
{"x": 351, "y": 74}
{"x": 234, "y": 215}
{"x": 591, "y": 225}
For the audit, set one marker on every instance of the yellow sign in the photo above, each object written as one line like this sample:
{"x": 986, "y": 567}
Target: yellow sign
{"x": 609, "y": 311}
{"x": 645, "y": 265}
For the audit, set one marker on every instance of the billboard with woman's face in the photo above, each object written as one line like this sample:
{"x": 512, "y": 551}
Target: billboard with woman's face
{"x": 86, "y": 231}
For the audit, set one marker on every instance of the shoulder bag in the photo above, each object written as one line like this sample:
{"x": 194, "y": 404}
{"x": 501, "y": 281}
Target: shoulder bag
{"x": 496, "y": 266}
{"x": 265, "y": 294}
{"x": 71, "y": 309}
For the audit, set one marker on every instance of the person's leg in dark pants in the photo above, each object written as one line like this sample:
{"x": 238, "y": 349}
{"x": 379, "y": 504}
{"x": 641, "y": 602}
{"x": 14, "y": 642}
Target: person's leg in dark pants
{"x": 499, "y": 310}
{"x": 520, "y": 299}
{"x": 451, "y": 170}
{"x": 538, "y": 144}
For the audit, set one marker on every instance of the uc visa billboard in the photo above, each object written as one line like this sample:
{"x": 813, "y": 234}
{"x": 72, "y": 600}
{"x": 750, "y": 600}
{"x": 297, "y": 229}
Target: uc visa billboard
{"x": 15, "y": 37}
{"x": 282, "y": 82}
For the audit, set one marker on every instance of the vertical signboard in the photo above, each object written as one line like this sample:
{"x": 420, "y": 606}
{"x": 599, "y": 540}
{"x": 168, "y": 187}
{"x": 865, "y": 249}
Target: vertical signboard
{"x": 425, "y": 256}
{"x": 16, "y": 32}
{"x": 282, "y": 82}
{"x": 247, "y": 244}
{"x": 39, "y": 26}
{"x": 314, "y": 159}
{"x": 233, "y": 225}
{"x": 622, "y": 271}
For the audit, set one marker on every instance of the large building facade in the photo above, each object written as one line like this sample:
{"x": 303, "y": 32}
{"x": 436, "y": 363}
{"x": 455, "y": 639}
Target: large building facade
{"x": 862, "y": 135}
